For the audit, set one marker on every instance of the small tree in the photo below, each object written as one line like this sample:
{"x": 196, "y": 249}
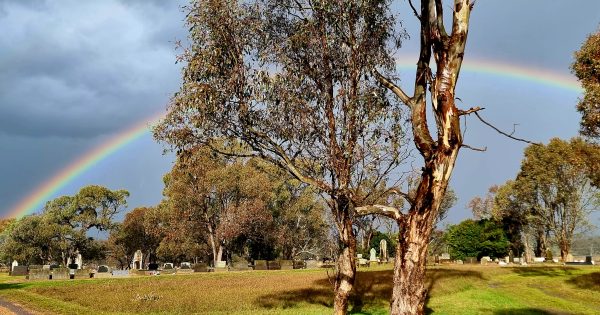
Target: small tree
{"x": 476, "y": 239}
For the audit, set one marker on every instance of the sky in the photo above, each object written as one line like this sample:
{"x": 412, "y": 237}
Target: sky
{"x": 75, "y": 74}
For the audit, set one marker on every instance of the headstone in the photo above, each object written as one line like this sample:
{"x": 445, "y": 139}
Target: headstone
{"x": 260, "y": 265}
{"x": 13, "y": 265}
{"x": 485, "y": 260}
{"x": 507, "y": 259}
{"x": 120, "y": 273}
{"x": 60, "y": 274}
{"x": 103, "y": 269}
{"x": 19, "y": 271}
{"x": 201, "y": 267}
{"x": 185, "y": 265}
{"x": 154, "y": 266}
{"x": 502, "y": 263}
{"x": 39, "y": 274}
{"x": 138, "y": 260}
{"x": 460, "y": 262}
{"x": 445, "y": 256}
{"x": 312, "y": 264}
{"x": 46, "y": 267}
{"x": 589, "y": 260}
{"x": 221, "y": 264}
{"x": 286, "y": 264}
{"x": 569, "y": 258}
{"x": 358, "y": 256}
{"x": 373, "y": 256}
{"x": 471, "y": 260}
{"x": 273, "y": 265}
{"x": 383, "y": 254}
{"x": 517, "y": 260}
{"x": 73, "y": 266}
{"x": 362, "y": 262}
{"x": 79, "y": 261}
{"x": 299, "y": 264}
{"x": 539, "y": 259}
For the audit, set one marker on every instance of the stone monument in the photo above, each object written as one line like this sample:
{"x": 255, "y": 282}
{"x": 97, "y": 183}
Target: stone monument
{"x": 138, "y": 260}
{"x": 373, "y": 256}
{"x": 13, "y": 265}
{"x": 383, "y": 250}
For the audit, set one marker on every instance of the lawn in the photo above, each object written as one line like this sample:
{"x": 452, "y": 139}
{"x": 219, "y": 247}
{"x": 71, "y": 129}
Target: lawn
{"x": 453, "y": 290}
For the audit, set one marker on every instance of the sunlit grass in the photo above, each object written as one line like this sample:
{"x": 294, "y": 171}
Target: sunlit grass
{"x": 453, "y": 290}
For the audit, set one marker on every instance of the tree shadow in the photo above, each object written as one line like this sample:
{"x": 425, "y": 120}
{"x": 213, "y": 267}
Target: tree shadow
{"x": 543, "y": 271}
{"x": 371, "y": 290}
{"x": 435, "y": 275}
{"x": 524, "y": 311}
{"x": 11, "y": 286}
{"x": 590, "y": 281}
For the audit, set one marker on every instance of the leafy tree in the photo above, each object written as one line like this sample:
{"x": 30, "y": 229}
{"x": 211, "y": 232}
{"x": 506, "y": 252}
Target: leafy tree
{"x": 29, "y": 240}
{"x": 587, "y": 69}
{"x": 556, "y": 185}
{"x": 71, "y": 217}
{"x": 476, "y": 239}
{"x": 272, "y": 76}
{"x": 215, "y": 200}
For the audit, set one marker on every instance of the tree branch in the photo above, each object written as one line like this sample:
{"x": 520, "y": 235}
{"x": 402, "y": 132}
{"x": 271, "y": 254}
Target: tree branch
{"x": 397, "y": 191}
{"x": 473, "y": 148}
{"x": 470, "y": 110}
{"x": 414, "y": 10}
{"x": 504, "y": 133}
{"x": 393, "y": 87}
{"x": 387, "y": 211}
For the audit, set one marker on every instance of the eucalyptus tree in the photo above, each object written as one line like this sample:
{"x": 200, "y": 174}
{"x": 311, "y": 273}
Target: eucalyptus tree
{"x": 445, "y": 51}
{"x": 556, "y": 184}
{"x": 290, "y": 82}
{"x": 587, "y": 69}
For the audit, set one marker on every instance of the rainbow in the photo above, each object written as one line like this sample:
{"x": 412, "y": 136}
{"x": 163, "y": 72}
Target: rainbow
{"x": 35, "y": 200}
{"x": 508, "y": 70}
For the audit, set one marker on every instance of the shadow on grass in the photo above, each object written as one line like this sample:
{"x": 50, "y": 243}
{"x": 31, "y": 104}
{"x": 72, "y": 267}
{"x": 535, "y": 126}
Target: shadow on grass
{"x": 589, "y": 281}
{"x": 372, "y": 289}
{"x": 543, "y": 271}
{"x": 11, "y": 286}
{"x": 523, "y": 311}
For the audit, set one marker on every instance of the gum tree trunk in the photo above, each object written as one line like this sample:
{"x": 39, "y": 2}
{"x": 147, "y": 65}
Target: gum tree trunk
{"x": 346, "y": 265}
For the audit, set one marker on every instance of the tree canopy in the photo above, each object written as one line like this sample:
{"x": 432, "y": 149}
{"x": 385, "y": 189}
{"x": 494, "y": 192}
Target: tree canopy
{"x": 587, "y": 69}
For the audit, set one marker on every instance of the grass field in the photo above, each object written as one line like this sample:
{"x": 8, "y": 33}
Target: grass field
{"x": 453, "y": 290}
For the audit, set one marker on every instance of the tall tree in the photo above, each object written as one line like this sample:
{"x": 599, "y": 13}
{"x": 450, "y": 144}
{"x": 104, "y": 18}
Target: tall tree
{"x": 587, "y": 69}
{"x": 439, "y": 155}
{"x": 290, "y": 81}
{"x": 556, "y": 184}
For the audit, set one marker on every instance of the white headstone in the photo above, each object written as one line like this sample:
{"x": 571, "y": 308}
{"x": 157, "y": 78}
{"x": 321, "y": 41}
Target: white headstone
{"x": 13, "y": 265}
{"x": 373, "y": 256}
{"x": 221, "y": 264}
{"x": 79, "y": 261}
{"x": 138, "y": 260}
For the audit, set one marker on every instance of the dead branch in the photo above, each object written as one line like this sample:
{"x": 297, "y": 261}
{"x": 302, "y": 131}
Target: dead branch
{"x": 414, "y": 10}
{"x": 504, "y": 133}
{"x": 470, "y": 110}
{"x": 473, "y": 148}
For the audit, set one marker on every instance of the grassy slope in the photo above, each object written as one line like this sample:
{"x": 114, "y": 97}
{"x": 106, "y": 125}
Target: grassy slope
{"x": 453, "y": 290}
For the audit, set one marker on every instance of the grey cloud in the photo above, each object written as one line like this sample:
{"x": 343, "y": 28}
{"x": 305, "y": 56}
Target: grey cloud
{"x": 79, "y": 68}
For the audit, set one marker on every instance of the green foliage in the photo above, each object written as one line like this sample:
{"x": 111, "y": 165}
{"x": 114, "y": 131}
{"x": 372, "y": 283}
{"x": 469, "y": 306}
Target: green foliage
{"x": 60, "y": 232}
{"x": 476, "y": 239}
{"x": 587, "y": 69}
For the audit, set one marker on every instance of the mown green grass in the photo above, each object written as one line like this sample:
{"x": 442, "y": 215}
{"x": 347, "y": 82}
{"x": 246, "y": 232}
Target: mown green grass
{"x": 453, "y": 290}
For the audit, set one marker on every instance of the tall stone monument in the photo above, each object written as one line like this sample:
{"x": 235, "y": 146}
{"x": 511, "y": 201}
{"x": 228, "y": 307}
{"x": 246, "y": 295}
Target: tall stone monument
{"x": 383, "y": 254}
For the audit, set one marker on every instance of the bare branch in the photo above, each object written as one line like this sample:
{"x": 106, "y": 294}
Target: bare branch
{"x": 473, "y": 148}
{"x": 414, "y": 10}
{"x": 397, "y": 191}
{"x": 504, "y": 133}
{"x": 393, "y": 87}
{"x": 470, "y": 110}
{"x": 387, "y": 211}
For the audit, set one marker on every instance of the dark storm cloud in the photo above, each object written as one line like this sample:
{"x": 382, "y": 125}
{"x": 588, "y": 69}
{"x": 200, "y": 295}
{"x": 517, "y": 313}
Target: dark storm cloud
{"x": 83, "y": 68}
